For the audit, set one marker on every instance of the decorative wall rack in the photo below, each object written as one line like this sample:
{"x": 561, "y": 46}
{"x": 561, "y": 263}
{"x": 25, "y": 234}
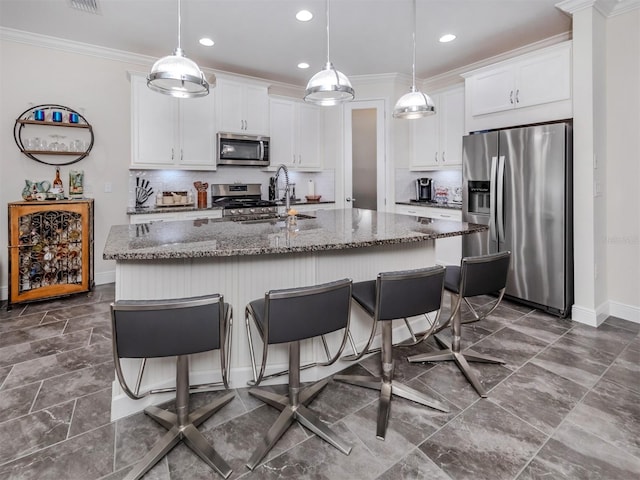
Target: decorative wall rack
{"x": 34, "y": 145}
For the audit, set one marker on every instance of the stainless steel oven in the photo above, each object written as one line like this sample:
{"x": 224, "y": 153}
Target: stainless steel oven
{"x": 248, "y": 150}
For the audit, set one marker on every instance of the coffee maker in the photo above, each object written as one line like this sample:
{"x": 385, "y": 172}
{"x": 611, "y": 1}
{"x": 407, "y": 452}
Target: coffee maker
{"x": 424, "y": 189}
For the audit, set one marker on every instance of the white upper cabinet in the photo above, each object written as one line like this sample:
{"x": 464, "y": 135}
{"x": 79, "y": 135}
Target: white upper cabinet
{"x": 296, "y": 134}
{"x": 535, "y": 87}
{"x": 437, "y": 139}
{"x": 171, "y": 133}
{"x": 242, "y": 107}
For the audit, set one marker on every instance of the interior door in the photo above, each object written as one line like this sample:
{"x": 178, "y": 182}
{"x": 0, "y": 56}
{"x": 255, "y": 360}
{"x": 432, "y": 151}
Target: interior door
{"x": 364, "y": 155}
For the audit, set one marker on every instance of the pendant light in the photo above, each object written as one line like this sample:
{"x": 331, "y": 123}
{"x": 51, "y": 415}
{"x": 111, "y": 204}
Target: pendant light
{"x": 329, "y": 86}
{"x": 414, "y": 104}
{"x": 178, "y": 76}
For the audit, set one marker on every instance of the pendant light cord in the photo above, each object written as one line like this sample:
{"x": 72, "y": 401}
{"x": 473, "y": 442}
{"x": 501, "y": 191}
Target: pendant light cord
{"x": 180, "y": 25}
{"x": 328, "y": 56}
{"x": 414, "y": 46}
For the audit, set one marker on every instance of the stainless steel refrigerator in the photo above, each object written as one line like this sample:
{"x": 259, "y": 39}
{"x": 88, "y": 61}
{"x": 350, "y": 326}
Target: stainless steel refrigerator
{"x": 518, "y": 181}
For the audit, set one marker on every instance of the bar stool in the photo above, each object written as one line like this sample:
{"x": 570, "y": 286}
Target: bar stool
{"x": 165, "y": 328}
{"x": 480, "y": 275}
{"x": 392, "y": 296}
{"x": 289, "y": 316}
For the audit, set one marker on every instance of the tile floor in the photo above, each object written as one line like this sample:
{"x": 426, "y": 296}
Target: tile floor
{"x": 566, "y": 405}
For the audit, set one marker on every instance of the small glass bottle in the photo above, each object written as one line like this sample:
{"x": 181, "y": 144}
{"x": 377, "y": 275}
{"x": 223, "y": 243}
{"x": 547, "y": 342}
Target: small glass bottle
{"x": 58, "y": 187}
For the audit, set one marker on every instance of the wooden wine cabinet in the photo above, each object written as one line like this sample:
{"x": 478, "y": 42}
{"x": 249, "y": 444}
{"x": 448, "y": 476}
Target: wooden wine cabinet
{"x": 50, "y": 249}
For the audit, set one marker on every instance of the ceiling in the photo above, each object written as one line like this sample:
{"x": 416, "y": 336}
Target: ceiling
{"x": 262, "y": 38}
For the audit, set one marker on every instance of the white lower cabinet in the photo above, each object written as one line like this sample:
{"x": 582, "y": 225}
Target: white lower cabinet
{"x": 171, "y": 216}
{"x": 448, "y": 250}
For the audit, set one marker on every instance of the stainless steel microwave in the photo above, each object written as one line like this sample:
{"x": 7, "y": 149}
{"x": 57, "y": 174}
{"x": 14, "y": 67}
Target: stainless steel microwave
{"x": 235, "y": 149}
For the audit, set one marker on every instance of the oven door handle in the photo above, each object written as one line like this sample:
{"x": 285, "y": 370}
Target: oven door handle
{"x": 261, "y": 150}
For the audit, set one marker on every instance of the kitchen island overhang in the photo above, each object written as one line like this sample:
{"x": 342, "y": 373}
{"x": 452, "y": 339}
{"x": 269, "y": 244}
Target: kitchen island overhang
{"x": 242, "y": 261}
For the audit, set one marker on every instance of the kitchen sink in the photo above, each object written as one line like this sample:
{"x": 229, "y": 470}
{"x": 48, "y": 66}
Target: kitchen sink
{"x": 299, "y": 216}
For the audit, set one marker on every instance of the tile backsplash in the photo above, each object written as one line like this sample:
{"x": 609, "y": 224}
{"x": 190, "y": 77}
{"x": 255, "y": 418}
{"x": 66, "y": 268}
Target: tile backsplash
{"x": 405, "y": 182}
{"x": 182, "y": 180}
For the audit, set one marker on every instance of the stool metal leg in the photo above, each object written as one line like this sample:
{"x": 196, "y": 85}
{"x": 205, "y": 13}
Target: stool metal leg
{"x": 182, "y": 426}
{"x": 386, "y": 385}
{"x": 453, "y": 353}
{"x": 293, "y": 407}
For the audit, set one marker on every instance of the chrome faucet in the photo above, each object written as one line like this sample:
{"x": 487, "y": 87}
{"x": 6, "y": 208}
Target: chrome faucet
{"x": 287, "y": 202}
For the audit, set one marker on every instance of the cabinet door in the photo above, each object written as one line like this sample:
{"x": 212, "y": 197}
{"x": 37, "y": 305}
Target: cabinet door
{"x": 153, "y": 126}
{"x": 425, "y": 140}
{"x": 451, "y": 126}
{"x": 544, "y": 78}
{"x": 309, "y": 127}
{"x": 256, "y": 116}
{"x": 492, "y": 91}
{"x": 281, "y": 148}
{"x": 411, "y": 210}
{"x": 229, "y": 98}
{"x": 197, "y": 132}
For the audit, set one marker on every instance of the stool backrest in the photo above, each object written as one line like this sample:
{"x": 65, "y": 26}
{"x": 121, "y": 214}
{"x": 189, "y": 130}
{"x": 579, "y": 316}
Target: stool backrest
{"x": 409, "y": 293}
{"x": 484, "y": 274}
{"x": 164, "y": 328}
{"x": 306, "y": 312}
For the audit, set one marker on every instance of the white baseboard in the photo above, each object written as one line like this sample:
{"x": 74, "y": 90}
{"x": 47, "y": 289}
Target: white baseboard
{"x": 589, "y": 316}
{"x": 105, "y": 277}
{"x": 626, "y": 312}
{"x": 596, "y": 317}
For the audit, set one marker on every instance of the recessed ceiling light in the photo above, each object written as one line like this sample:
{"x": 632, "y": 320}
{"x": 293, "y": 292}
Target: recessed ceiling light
{"x": 303, "y": 65}
{"x": 304, "y": 15}
{"x": 207, "y": 42}
{"x": 447, "y": 38}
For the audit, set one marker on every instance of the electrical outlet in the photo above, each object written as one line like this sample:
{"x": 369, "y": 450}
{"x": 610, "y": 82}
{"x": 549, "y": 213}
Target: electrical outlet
{"x": 107, "y": 187}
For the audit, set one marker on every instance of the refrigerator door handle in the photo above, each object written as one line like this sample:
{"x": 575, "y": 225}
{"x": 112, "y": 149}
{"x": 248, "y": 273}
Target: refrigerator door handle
{"x": 500, "y": 204}
{"x": 492, "y": 200}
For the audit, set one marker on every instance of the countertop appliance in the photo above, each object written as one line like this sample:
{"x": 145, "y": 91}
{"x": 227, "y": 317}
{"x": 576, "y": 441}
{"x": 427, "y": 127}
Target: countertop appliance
{"x": 424, "y": 189}
{"x": 245, "y": 150}
{"x": 519, "y": 182}
{"x": 242, "y": 201}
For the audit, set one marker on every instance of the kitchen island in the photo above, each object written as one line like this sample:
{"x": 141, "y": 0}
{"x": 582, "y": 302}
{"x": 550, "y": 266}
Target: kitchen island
{"x": 243, "y": 260}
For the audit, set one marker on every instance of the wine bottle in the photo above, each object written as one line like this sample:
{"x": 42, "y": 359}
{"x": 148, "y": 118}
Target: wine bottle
{"x": 58, "y": 187}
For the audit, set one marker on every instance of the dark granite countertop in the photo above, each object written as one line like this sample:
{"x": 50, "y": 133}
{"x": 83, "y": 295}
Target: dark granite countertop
{"x": 414, "y": 203}
{"x": 330, "y": 230}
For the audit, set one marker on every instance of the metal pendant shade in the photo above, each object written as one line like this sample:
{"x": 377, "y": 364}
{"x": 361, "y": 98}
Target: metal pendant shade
{"x": 178, "y": 76}
{"x": 329, "y": 86}
{"x": 414, "y": 104}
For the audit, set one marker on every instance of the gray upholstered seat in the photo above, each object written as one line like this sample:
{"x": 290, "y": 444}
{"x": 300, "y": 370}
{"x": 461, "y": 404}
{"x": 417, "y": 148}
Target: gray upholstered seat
{"x": 480, "y": 275}
{"x": 287, "y": 317}
{"x": 167, "y": 328}
{"x": 392, "y": 296}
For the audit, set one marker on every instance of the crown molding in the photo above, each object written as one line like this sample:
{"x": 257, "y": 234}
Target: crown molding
{"x": 45, "y": 41}
{"x": 608, "y": 8}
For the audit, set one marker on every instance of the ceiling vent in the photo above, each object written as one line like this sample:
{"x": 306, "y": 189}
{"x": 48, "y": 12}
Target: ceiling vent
{"x": 89, "y": 6}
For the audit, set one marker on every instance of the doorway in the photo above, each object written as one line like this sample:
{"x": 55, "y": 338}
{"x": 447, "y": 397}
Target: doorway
{"x": 365, "y": 165}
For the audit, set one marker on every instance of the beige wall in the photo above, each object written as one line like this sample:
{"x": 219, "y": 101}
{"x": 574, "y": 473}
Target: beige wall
{"x": 93, "y": 85}
{"x": 623, "y": 162}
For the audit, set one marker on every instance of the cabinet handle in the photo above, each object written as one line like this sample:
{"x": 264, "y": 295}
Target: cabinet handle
{"x": 172, "y": 154}
{"x": 435, "y": 157}
{"x": 511, "y": 97}
{"x": 442, "y": 215}
{"x": 518, "y": 96}
{"x": 181, "y": 154}
{"x": 443, "y": 160}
